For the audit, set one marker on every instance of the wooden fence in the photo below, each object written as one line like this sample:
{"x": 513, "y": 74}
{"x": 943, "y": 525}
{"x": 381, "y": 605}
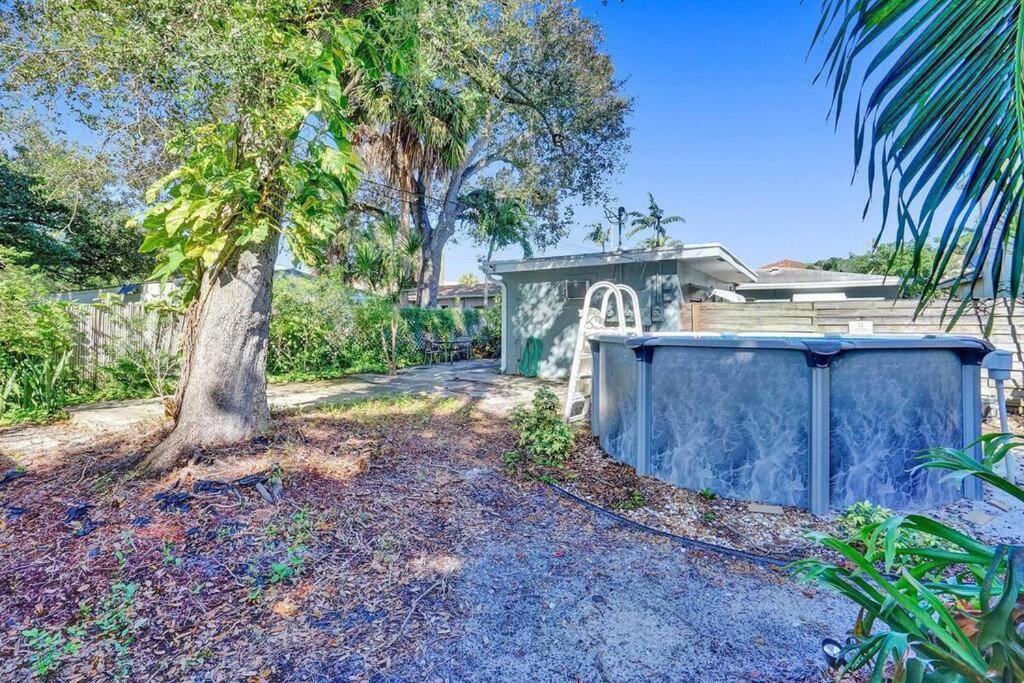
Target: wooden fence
{"x": 885, "y": 317}
{"x": 104, "y": 333}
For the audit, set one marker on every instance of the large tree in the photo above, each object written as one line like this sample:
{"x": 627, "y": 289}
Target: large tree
{"x": 61, "y": 205}
{"x": 253, "y": 98}
{"x": 939, "y": 125}
{"x": 548, "y": 125}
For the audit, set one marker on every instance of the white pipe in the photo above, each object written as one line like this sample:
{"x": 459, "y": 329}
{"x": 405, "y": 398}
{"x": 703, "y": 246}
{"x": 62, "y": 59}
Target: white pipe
{"x": 503, "y": 290}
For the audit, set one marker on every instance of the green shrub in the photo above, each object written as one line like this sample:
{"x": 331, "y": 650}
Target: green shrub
{"x": 954, "y": 610}
{"x": 312, "y": 328}
{"x": 139, "y": 373}
{"x": 383, "y": 335}
{"x": 37, "y": 336}
{"x": 546, "y": 438}
{"x": 139, "y": 367}
{"x": 854, "y": 519}
{"x": 487, "y": 340}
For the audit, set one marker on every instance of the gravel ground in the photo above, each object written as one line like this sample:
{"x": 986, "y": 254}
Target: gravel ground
{"x": 420, "y": 561}
{"x": 571, "y": 595}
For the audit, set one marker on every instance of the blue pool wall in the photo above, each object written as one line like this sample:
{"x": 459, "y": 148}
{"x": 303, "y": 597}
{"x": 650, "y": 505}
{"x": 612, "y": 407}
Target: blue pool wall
{"x": 741, "y": 416}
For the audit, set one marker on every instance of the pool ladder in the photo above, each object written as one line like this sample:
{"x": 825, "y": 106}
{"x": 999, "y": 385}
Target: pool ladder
{"x": 577, "y": 398}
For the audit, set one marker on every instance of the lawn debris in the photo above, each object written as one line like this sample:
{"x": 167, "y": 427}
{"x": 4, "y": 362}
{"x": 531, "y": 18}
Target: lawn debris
{"x": 11, "y": 474}
{"x": 78, "y": 512}
{"x": 174, "y": 501}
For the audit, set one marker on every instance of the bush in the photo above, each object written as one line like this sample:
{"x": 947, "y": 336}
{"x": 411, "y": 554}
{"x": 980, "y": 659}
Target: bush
{"x": 954, "y": 610}
{"x": 384, "y": 337}
{"x": 37, "y": 336}
{"x": 545, "y": 437}
{"x": 312, "y": 322}
{"x": 487, "y": 340}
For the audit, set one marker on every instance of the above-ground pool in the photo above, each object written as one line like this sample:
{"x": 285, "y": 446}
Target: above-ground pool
{"x": 814, "y": 422}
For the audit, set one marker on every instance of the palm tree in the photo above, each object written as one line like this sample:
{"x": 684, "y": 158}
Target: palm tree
{"x": 414, "y": 130}
{"x": 498, "y": 222}
{"x": 939, "y": 122}
{"x": 382, "y": 260}
{"x": 599, "y": 234}
{"x": 655, "y": 221}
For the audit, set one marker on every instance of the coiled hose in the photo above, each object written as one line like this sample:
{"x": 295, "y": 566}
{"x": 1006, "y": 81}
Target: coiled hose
{"x": 529, "y": 362}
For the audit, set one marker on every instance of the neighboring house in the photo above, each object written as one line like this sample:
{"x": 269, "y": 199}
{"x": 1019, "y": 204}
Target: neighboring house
{"x": 789, "y": 280}
{"x": 129, "y": 293}
{"x": 542, "y": 297}
{"x": 985, "y": 287}
{"x": 144, "y": 292}
{"x": 466, "y": 296}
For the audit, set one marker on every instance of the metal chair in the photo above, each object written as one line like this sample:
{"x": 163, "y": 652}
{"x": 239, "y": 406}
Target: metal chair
{"x": 431, "y": 349}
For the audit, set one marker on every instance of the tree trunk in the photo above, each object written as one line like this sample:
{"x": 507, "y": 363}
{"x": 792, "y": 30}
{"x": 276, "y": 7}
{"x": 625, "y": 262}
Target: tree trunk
{"x": 430, "y": 270}
{"x": 222, "y": 396}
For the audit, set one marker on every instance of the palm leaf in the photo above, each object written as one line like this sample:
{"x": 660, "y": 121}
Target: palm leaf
{"x": 941, "y": 124}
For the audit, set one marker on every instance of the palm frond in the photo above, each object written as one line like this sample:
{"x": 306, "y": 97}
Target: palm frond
{"x": 939, "y": 125}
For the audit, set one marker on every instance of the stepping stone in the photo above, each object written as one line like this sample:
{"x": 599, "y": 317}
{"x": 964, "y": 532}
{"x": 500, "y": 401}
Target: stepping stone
{"x": 765, "y": 509}
{"x": 978, "y": 517}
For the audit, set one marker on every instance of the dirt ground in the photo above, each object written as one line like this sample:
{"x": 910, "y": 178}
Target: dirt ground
{"x": 380, "y": 541}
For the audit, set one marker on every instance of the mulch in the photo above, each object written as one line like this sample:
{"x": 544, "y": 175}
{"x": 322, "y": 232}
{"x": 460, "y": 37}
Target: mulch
{"x": 597, "y": 478}
{"x": 322, "y": 551}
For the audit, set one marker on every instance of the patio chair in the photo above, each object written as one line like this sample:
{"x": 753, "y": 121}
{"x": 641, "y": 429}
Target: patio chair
{"x": 432, "y": 350}
{"x": 462, "y": 347}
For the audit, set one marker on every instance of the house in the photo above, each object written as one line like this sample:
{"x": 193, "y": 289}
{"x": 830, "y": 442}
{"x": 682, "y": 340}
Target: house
{"x": 965, "y": 286}
{"x": 479, "y": 295}
{"x": 145, "y": 292}
{"x": 542, "y": 297}
{"x": 789, "y": 280}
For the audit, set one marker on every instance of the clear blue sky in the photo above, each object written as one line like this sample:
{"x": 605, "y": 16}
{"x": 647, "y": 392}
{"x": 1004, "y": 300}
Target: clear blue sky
{"x": 728, "y": 131}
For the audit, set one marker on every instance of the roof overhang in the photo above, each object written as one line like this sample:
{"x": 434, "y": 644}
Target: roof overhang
{"x": 824, "y": 284}
{"x": 711, "y": 258}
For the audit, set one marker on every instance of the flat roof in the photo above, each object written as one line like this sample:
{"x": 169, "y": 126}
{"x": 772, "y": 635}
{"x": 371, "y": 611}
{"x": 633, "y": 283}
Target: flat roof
{"x": 711, "y": 258}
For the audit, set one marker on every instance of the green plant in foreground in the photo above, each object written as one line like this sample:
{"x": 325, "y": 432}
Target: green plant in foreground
{"x": 543, "y": 434}
{"x": 634, "y": 501}
{"x": 954, "y": 610}
{"x": 46, "y": 649}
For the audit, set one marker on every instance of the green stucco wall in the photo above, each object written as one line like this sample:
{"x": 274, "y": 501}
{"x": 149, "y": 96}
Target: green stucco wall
{"x": 536, "y": 305}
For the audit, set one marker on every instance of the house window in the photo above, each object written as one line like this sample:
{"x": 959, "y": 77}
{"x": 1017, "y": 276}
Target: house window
{"x": 576, "y": 289}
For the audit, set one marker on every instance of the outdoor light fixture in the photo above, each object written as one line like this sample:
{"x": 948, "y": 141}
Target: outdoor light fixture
{"x": 833, "y": 653}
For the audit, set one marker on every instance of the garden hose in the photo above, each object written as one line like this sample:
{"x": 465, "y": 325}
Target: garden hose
{"x": 529, "y": 362}
{"x": 693, "y": 543}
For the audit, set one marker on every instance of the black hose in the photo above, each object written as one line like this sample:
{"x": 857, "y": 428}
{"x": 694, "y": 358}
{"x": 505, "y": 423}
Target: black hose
{"x": 754, "y": 558}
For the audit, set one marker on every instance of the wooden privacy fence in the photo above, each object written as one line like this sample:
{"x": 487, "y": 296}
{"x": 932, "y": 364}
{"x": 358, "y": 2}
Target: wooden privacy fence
{"x": 106, "y": 332}
{"x": 885, "y": 317}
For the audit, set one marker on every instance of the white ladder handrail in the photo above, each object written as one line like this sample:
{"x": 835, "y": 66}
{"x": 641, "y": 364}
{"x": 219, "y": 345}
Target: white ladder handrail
{"x": 587, "y": 328}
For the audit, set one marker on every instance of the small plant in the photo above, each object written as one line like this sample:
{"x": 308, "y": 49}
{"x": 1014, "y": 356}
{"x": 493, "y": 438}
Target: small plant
{"x": 46, "y": 649}
{"x": 952, "y": 606}
{"x": 114, "y": 619}
{"x": 287, "y": 569}
{"x": 168, "y": 556}
{"x": 707, "y": 494}
{"x": 709, "y": 516}
{"x": 634, "y": 501}
{"x": 512, "y": 460}
{"x": 864, "y": 514}
{"x": 545, "y": 437}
